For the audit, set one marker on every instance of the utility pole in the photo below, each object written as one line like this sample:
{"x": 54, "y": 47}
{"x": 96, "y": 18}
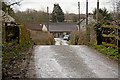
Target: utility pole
{"x": 48, "y": 18}
{"x": 97, "y": 14}
{"x": 79, "y": 14}
{"x": 87, "y": 28}
{"x": 86, "y": 13}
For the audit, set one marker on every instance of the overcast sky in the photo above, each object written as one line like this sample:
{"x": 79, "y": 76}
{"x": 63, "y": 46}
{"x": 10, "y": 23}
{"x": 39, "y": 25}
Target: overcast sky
{"x": 70, "y": 6}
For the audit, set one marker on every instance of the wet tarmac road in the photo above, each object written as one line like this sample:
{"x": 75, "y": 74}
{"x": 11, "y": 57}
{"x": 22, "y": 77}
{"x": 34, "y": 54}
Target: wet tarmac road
{"x": 72, "y": 62}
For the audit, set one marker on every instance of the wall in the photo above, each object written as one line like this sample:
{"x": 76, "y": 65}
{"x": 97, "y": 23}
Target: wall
{"x": 15, "y": 33}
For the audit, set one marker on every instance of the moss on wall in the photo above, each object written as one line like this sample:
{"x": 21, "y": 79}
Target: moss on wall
{"x": 24, "y": 35}
{"x": 15, "y": 33}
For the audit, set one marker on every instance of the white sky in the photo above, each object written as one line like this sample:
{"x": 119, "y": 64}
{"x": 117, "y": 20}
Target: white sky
{"x": 70, "y": 6}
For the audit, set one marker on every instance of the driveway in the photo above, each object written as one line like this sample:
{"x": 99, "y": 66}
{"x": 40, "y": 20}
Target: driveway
{"x": 72, "y": 62}
{"x": 60, "y": 41}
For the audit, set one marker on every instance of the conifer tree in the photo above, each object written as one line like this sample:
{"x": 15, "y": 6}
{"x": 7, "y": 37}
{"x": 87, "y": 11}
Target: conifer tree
{"x": 57, "y": 14}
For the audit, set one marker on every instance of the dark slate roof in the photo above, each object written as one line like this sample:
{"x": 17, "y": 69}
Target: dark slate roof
{"x": 34, "y": 26}
{"x": 62, "y": 27}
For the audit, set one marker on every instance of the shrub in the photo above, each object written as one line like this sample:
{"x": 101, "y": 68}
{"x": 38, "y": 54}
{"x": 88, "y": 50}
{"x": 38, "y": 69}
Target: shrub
{"x": 74, "y": 37}
{"x": 82, "y": 38}
{"x": 92, "y": 31}
{"x": 42, "y": 38}
{"x": 78, "y": 38}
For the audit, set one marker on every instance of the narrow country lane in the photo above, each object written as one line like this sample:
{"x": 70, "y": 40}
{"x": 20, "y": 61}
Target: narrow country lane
{"x": 72, "y": 62}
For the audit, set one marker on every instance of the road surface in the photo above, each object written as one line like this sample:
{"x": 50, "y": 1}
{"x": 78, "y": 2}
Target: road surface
{"x": 60, "y": 41}
{"x": 72, "y": 62}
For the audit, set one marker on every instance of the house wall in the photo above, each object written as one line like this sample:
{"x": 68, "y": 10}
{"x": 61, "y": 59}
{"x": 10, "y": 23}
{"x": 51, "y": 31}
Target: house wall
{"x": 44, "y": 29}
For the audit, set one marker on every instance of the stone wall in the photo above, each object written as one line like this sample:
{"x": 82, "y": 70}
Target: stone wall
{"x": 15, "y": 34}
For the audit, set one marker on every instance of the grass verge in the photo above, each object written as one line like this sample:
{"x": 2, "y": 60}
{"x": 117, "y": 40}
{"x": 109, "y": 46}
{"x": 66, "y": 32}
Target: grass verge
{"x": 70, "y": 43}
{"x": 12, "y": 59}
{"x": 108, "y": 51}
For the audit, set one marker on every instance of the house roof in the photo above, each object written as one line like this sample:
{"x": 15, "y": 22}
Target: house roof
{"x": 5, "y": 17}
{"x": 34, "y": 26}
{"x": 62, "y": 27}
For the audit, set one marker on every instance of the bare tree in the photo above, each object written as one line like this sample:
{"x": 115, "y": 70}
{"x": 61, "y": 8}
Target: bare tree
{"x": 116, "y": 8}
{"x": 13, "y": 2}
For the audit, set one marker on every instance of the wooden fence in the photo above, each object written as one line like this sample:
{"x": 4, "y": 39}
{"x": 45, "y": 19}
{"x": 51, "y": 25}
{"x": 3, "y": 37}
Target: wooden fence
{"x": 111, "y": 36}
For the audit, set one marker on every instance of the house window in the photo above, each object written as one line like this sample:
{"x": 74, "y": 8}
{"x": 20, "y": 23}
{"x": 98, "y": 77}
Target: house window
{"x": 67, "y": 33}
